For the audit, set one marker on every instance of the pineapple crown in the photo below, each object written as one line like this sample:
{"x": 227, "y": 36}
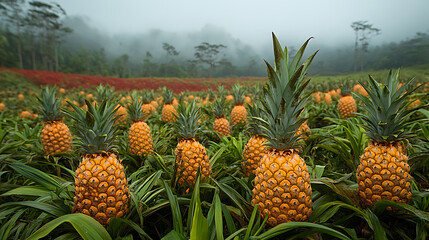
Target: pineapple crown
{"x": 255, "y": 113}
{"x": 221, "y": 90}
{"x": 387, "y": 108}
{"x": 95, "y": 128}
{"x": 105, "y": 92}
{"x": 346, "y": 87}
{"x": 219, "y": 107}
{"x": 147, "y": 96}
{"x": 238, "y": 93}
{"x": 212, "y": 95}
{"x": 49, "y": 104}
{"x": 187, "y": 120}
{"x": 283, "y": 99}
{"x": 168, "y": 96}
{"x": 134, "y": 109}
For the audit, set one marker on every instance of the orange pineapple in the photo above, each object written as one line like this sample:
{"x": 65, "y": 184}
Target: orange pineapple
{"x": 139, "y": 137}
{"x": 190, "y": 154}
{"x": 55, "y": 135}
{"x": 239, "y": 112}
{"x": 282, "y": 184}
{"x": 101, "y": 189}
{"x": 383, "y": 172}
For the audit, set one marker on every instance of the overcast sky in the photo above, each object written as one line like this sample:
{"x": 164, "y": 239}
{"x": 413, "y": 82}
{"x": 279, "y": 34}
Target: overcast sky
{"x": 252, "y": 21}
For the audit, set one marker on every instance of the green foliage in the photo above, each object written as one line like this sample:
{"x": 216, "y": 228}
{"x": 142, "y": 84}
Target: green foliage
{"x": 95, "y": 128}
{"x": 387, "y": 108}
{"x": 283, "y": 100}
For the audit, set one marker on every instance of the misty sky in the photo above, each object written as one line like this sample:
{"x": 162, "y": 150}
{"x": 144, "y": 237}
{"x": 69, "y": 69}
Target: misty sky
{"x": 252, "y": 21}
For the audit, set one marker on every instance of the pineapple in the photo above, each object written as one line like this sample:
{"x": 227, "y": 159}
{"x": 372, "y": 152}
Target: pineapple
{"x": 239, "y": 112}
{"x": 139, "y": 137}
{"x": 304, "y": 131}
{"x": 190, "y": 154}
{"x": 147, "y": 107}
{"x": 328, "y": 98}
{"x": 169, "y": 112}
{"x": 255, "y": 147}
{"x": 100, "y": 185}
{"x": 383, "y": 172}
{"x": 221, "y": 124}
{"x": 347, "y": 104}
{"x": 55, "y": 135}
{"x": 282, "y": 184}
{"x": 2, "y": 107}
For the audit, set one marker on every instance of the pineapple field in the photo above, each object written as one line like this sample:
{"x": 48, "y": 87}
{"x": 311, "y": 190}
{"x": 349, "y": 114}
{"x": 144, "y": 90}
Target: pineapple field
{"x": 288, "y": 156}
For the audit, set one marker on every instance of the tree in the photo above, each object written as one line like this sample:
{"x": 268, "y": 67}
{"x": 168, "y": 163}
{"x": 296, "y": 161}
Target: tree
{"x": 363, "y": 34}
{"x": 45, "y": 22}
{"x": 15, "y": 16}
{"x": 149, "y": 68}
{"x": 207, "y": 53}
{"x": 171, "y": 52}
{"x": 120, "y": 66}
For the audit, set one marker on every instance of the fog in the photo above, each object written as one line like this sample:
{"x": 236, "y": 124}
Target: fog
{"x": 134, "y": 27}
{"x": 252, "y": 21}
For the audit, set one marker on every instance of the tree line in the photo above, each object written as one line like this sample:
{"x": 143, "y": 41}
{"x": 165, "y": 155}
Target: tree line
{"x": 32, "y": 36}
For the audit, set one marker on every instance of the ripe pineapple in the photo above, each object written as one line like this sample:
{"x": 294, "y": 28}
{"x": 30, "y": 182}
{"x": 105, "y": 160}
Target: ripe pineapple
{"x": 100, "y": 185}
{"x": 169, "y": 112}
{"x": 2, "y": 107}
{"x": 190, "y": 154}
{"x": 347, "y": 104}
{"x": 239, "y": 112}
{"x": 304, "y": 131}
{"x": 383, "y": 172}
{"x": 139, "y": 137}
{"x": 328, "y": 98}
{"x": 221, "y": 124}
{"x": 255, "y": 147}
{"x": 147, "y": 107}
{"x": 55, "y": 135}
{"x": 282, "y": 184}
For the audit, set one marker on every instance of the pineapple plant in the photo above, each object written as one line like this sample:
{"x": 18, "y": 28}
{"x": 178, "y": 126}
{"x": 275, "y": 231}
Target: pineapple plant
{"x": 55, "y": 135}
{"x": 169, "y": 112}
{"x": 347, "y": 104}
{"x": 101, "y": 189}
{"x": 238, "y": 112}
{"x": 139, "y": 137}
{"x": 282, "y": 188}
{"x": 190, "y": 154}
{"x": 221, "y": 124}
{"x": 147, "y": 107}
{"x": 383, "y": 172}
{"x": 255, "y": 147}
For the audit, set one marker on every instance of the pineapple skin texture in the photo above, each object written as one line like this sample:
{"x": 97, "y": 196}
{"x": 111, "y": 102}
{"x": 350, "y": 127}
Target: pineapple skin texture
{"x": 101, "y": 187}
{"x": 190, "y": 155}
{"x": 383, "y": 173}
{"x": 282, "y": 187}
{"x": 238, "y": 115}
{"x": 253, "y": 153}
{"x": 140, "y": 139}
{"x": 167, "y": 113}
{"x": 347, "y": 106}
{"x": 56, "y": 138}
{"x": 221, "y": 126}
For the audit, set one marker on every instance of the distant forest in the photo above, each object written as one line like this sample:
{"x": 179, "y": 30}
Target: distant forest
{"x": 39, "y": 35}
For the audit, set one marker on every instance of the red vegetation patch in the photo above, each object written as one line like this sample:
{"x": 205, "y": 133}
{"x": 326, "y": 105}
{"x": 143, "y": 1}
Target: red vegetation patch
{"x": 70, "y": 80}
